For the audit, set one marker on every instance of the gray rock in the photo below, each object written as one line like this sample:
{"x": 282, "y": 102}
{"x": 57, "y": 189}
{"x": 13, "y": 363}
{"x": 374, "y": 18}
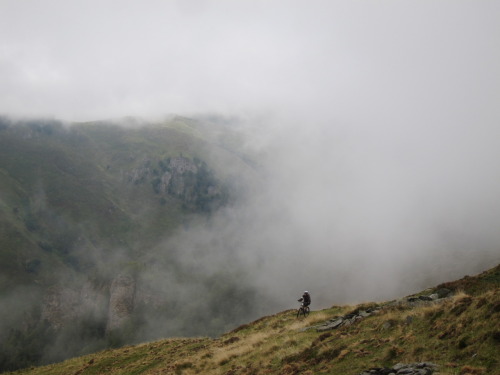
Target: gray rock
{"x": 331, "y": 325}
{"x": 422, "y": 368}
{"x": 425, "y": 365}
{"x": 121, "y": 301}
{"x": 443, "y": 292}
{"x": 347, "y": 319}
{"x": 347, "y": 322}
{"x": 387, "y": 325}
{"x": 63, "y": 304}
{"x": 425, "y": 298}
{"x": 399, "y": 366}
{"x": 336, "y": 323}
{"x": 406, "y": 370}
{"x": 60, "y": 305}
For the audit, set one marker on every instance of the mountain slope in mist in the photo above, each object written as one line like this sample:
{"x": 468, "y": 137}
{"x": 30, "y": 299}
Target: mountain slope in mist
{"x": 85, "y": 212}
{"x": 458, "y": 334}
{"x": 98, "y": 185}
{"x": 187, "y": 227}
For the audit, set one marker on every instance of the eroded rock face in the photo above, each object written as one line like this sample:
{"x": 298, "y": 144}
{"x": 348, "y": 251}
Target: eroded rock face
{"x": 189, "y": 182}
{"x": 59, "y": 305}
{"x": 63, "y": 304}
{"x": 181, "y": 165}
{"x": 111, "y": 304}
{"x": 121, "y": 301}
{"x": 175, "y": 181}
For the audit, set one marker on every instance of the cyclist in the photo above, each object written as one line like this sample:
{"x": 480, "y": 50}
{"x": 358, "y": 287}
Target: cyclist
{"x": 305, "y": 299}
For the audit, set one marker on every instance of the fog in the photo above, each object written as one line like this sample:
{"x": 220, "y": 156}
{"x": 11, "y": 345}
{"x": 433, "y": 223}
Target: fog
{"x": 381, "y": 62}
{"x": 353, "y": 215}
{"x": 376, "y": 125}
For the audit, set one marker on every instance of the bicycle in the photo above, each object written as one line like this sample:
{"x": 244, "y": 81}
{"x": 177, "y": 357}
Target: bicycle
{"x": 304, "y": 310}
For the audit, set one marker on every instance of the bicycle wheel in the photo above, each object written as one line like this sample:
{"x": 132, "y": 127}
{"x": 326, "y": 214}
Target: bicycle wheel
{"x": 303, "y": 311}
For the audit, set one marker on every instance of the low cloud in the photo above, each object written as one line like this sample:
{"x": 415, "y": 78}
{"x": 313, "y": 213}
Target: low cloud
{"x": 352, "y": 214}
{"x": 377, "y": 126}
{"x": 91, "y": 60}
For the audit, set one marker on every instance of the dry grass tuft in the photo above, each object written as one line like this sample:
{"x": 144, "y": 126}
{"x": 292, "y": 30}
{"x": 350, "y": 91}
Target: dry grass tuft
{"x": 459, "y": 294}
{"x": 469, "y": 370}
{"x": 318, "y": 317}
{"x": 239, "y": 348}
{"x": 343, "y": 353}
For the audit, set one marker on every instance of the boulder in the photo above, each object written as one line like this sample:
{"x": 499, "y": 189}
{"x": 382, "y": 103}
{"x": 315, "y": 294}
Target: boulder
{"x": 422, "y": 368}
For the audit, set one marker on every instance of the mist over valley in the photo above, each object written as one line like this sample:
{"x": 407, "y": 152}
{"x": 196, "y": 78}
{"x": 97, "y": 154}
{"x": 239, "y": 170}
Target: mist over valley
{"x": 116, "y": 234}
{"x": 180, "y": 168}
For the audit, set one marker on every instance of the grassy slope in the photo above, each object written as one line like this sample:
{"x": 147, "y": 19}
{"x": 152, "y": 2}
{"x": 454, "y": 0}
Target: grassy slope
{"x": 460, "y": 334}
{"x": 50, "y": 187}
{"x": 58, "y": 182}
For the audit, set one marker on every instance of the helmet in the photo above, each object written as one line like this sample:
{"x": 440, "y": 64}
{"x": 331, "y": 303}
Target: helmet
{"x": 306, "y": 292}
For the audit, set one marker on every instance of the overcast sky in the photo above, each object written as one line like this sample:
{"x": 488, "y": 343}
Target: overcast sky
{"x": 385, "y": 119}
{"x": 85, "y": 60}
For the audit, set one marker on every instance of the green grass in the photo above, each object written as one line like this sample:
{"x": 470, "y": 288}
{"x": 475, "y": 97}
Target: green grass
{"x": 50, "y": 174}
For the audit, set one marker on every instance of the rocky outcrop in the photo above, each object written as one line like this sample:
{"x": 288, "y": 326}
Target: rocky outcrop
{"x": 112, "y": 304}
{"x": 438, "y": 294}
{"x": 121, "y": 301}
{"x": 63, "y": 304}
{"x": 181, "y": 165}
{"x": 140, "y": 174}
{"x": 190, "y": 182}
{"x": 59, "y": 306}
{"x": 168, "y": 176}
{"x": 175, "y": 178}
{"x": 353, "y": 317}
{"x": 346, "y": 320}
{"x": 421, "y": 368}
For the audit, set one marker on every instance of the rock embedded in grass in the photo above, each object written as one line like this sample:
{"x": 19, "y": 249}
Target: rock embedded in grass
{"x": 420, "y": 368}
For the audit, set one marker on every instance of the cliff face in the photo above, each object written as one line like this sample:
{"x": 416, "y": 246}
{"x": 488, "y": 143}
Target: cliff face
{"x": 121, "y": 301}
{"x": 109, "y": 305}
{"x": 63, "y": 305}
{"x": 190, "y": 181}
{"x": 113, "y": 303}
{"x": 60, "y": 305}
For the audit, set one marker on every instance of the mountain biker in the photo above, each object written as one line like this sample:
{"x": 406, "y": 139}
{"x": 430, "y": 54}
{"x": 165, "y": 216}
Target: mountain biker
{"x": 305, "y": 299}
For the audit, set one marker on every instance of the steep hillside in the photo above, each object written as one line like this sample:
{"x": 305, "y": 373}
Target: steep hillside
{"x": 450, "y": 329}
{"x": 86, "y": 211}
{"x": 99, "y": 186}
